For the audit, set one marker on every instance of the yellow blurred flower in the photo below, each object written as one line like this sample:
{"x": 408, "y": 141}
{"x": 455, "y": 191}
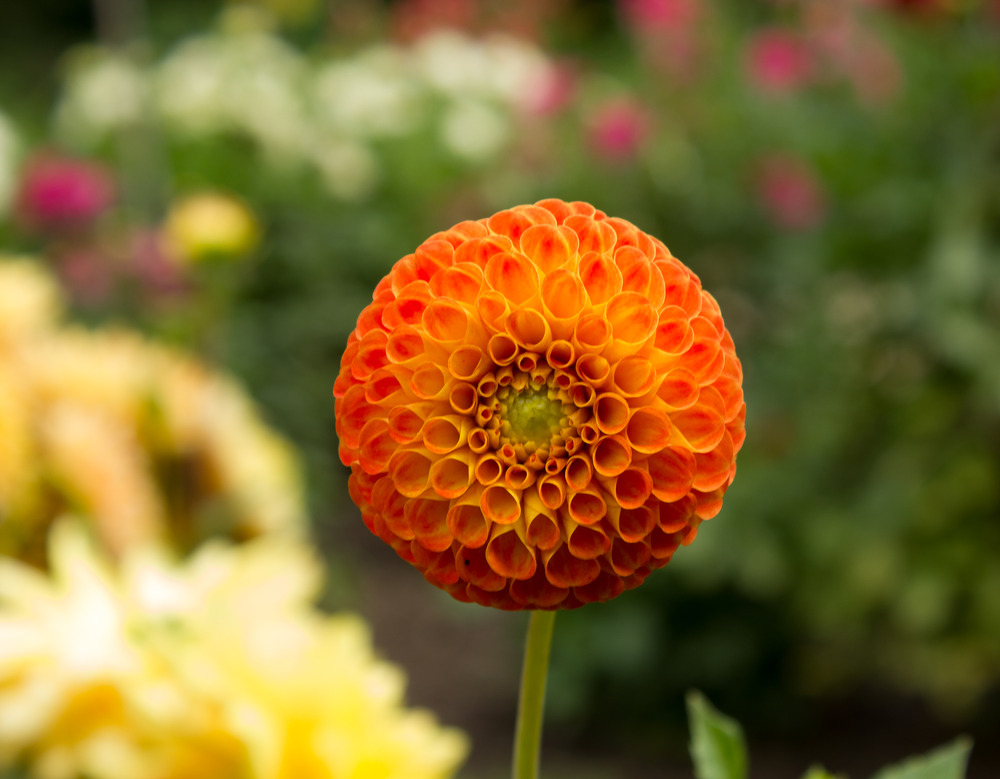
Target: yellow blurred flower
{"x": 29, "y": 300}
{"x": 18, "y": 456}
{"x": 99, "y": 464}
{"x": 217, "y": 668}
{"x": 65, "y": 656}
{"x": 143, "y": 440}
{"x": 30, "y": 304}
{"x": 211, "y": 225}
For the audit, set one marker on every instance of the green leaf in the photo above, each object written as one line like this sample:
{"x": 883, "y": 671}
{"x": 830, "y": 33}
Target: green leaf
{"x": 947, "y": 762}
{"x": 717, "y": 745}
{"x": 818, "y": 772}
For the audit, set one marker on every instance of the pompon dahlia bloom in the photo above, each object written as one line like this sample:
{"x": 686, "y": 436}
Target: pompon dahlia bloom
{"x": 537, "y": 408}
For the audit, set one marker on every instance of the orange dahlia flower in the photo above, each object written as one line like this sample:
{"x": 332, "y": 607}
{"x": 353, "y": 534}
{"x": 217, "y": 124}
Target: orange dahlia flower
{"x": 538, "y": 408}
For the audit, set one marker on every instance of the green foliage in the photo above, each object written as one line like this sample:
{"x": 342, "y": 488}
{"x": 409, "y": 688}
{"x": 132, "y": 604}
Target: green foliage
{"x": 819, "y": 773}
{"x": 948, "y": 762}
{"x": 719, "y": 751}
{"x": 717, "y": 745}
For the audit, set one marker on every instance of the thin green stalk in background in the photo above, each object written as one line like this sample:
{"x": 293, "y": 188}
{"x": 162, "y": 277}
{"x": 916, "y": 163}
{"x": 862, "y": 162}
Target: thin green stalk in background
{"x": 121, "y": 27}
{"x": 531, "y": 704}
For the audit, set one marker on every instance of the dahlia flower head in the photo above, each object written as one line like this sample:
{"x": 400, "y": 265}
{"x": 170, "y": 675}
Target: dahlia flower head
{"x": 539, "y": 407}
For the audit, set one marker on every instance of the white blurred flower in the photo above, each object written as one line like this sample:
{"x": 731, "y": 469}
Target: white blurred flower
{"x": 498, "y": 67}
{"x": 452, "y": 63}
{"x": 104, "y": 91}
{"x": 349, "y": 170}
{"x": 189, "y": 86}
{"x": 244, "y": 80}
{"x": 372, "y": 95}
{"x": 268, "y": 103}
{"x": 519, "y": 72}
{"x": 474, "y": 130}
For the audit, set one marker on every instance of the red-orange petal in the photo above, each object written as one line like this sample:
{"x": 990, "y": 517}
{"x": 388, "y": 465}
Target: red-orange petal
{"x": 648, "y": 430}
{"x": 611, "y": 412}
{"x": 594, "y": 236}
{"x": 562, "y": 569}
{"x": 586, "y": 507}
{"x": 601, "y": 277}
{"x": 468, "y": 525}
{"x": 428, "y": 518}
{"x": 513, "y": 276}
{"x": 612, "y": 455}
{"x": 549, "y": 246}
{"x": 500, "y": 504}
{"x": 672, "y": 471}
{"x": 509, "y": 556}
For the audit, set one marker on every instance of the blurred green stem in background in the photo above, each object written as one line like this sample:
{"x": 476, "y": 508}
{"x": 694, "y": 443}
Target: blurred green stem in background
{"x": 121, "y": 27}
{"x": 119, "y": 22}
{"x": 531, "y": 704}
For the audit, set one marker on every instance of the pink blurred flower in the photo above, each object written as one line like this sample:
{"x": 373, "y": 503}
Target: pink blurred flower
{"x": 873, "y": 70}
{"x": 853, "y": 50}
{"x": 412, "y": 19}
{"x": 790, "y": 192}
{"x": 667, "y": 34}
{"x": 554, "y": 91}
{"x": 617, "y": 129}
{"x": 922, "y": 7}
{"x": 58, "y": 192}
{"x": 87, "y": 273}
{"x": 154, "y": 266}
{"x": 646, "y": 15}
{"x": 778, "y": 61}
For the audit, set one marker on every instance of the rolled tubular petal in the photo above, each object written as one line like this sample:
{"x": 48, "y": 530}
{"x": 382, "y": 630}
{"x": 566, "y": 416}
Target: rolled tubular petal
{"x": 428, "y": 518}
{"x": 509, "y": 556}
{"x": 586, "y": 542}
{"x": 468, "y": 525}
{"x": 500, "y": 505}
{"x": 539, "y": 408}
{"x": 611, "y": 412}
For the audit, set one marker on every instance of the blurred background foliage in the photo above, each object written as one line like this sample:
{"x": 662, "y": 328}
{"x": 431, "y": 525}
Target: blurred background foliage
{"x": 831, "y": 170}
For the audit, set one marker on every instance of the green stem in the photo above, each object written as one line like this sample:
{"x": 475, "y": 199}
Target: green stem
{"x": 121, "y": 27}
{"x": 530, "y": 707}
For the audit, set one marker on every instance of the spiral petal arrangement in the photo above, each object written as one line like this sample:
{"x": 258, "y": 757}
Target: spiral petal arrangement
{"x": 539, "y": 407}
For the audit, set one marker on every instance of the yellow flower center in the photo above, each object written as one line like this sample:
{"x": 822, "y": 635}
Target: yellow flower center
{"x": 530, "y": 415}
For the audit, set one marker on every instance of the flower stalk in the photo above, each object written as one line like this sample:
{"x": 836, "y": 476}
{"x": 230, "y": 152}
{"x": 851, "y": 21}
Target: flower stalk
{"x": 531, "y": 704}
